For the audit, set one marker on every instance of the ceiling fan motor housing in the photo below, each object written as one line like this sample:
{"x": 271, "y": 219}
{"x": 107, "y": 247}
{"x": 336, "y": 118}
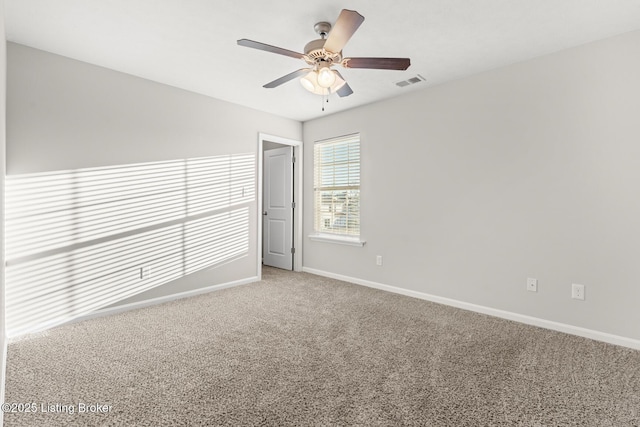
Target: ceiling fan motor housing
{"x": 314, "y": 52}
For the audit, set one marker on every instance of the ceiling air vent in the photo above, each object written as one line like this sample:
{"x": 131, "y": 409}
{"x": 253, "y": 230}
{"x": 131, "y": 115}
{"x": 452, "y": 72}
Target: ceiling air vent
{"x": 413, "y": 80}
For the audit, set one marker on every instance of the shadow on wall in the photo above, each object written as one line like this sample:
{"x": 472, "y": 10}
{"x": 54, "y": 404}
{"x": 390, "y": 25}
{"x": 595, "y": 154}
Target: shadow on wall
{"x": 80, "y": 240}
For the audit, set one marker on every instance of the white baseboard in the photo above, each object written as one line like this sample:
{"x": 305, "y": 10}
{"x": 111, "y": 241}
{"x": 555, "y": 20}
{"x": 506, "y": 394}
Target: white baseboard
{"x": 529, "y": 320}
{"x": 159, "y": 300}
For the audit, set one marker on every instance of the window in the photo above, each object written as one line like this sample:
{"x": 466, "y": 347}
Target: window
{"x": 336, "y": 188}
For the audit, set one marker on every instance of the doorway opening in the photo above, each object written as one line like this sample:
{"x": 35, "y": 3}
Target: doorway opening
{"x": 279, "y": 203}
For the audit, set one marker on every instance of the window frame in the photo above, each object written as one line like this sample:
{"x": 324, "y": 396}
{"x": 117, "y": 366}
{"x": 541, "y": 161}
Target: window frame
{"x": 322, "y": 235}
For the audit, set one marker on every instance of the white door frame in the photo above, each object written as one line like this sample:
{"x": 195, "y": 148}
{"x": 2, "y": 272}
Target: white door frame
{"x": 297, "y": 196}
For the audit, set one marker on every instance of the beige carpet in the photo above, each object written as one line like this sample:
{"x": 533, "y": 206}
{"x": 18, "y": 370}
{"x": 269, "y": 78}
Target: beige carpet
{"x": 298, "y": 349}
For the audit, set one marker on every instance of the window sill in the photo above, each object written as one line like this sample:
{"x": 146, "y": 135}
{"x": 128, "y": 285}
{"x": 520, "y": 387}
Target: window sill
{"x": 340, "y": 240}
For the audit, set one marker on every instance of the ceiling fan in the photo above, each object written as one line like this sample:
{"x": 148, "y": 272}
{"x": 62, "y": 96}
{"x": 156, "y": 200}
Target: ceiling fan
{"x": 322, "y": 54}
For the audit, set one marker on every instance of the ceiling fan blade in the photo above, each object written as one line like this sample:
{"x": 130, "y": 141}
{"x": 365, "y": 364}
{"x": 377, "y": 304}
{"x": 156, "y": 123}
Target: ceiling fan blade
{"x": 347, "y": 24}
{"x": 269, "y": 48}
{"x": 377, "y": 63}
{"x": 345, "y": 90}
{"x": 277, "y": 82}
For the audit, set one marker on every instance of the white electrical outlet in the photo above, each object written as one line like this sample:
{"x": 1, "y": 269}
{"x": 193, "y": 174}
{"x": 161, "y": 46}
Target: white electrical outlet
{"x": 532, "y": 285}
{"x": 577, "y": 291}
{"x": 145, "y": 272}
{"x": 379, "y": 260}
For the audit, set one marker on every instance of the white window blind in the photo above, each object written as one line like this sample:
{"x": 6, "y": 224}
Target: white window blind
{"x": 336, "y": 166}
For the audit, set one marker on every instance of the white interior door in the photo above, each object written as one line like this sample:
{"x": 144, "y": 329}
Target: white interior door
{"x": 277, "y": 239}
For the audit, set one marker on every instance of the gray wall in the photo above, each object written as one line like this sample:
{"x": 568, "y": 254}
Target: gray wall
{"x": 532, "y": 170}
{"x": 3, "y": 86}
{"x": 63, "y": 114}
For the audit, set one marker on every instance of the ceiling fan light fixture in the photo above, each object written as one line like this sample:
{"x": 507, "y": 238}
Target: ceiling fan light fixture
{"x": 310, "y": 81}
{"x": 326, "y": 76}
{"x": 338, "y": 83}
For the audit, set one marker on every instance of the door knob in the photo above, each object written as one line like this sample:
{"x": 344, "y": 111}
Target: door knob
{"x": 264, "y": 213}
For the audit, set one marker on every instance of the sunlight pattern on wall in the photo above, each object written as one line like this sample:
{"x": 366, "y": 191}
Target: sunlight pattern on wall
{"x": 84, "y": 239}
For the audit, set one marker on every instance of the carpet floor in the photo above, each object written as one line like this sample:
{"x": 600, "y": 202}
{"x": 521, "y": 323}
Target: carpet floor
{"x": 303, "y": 350}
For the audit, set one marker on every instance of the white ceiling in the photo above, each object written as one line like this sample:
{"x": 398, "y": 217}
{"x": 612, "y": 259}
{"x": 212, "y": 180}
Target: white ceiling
{"x": 191, "y": 44}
